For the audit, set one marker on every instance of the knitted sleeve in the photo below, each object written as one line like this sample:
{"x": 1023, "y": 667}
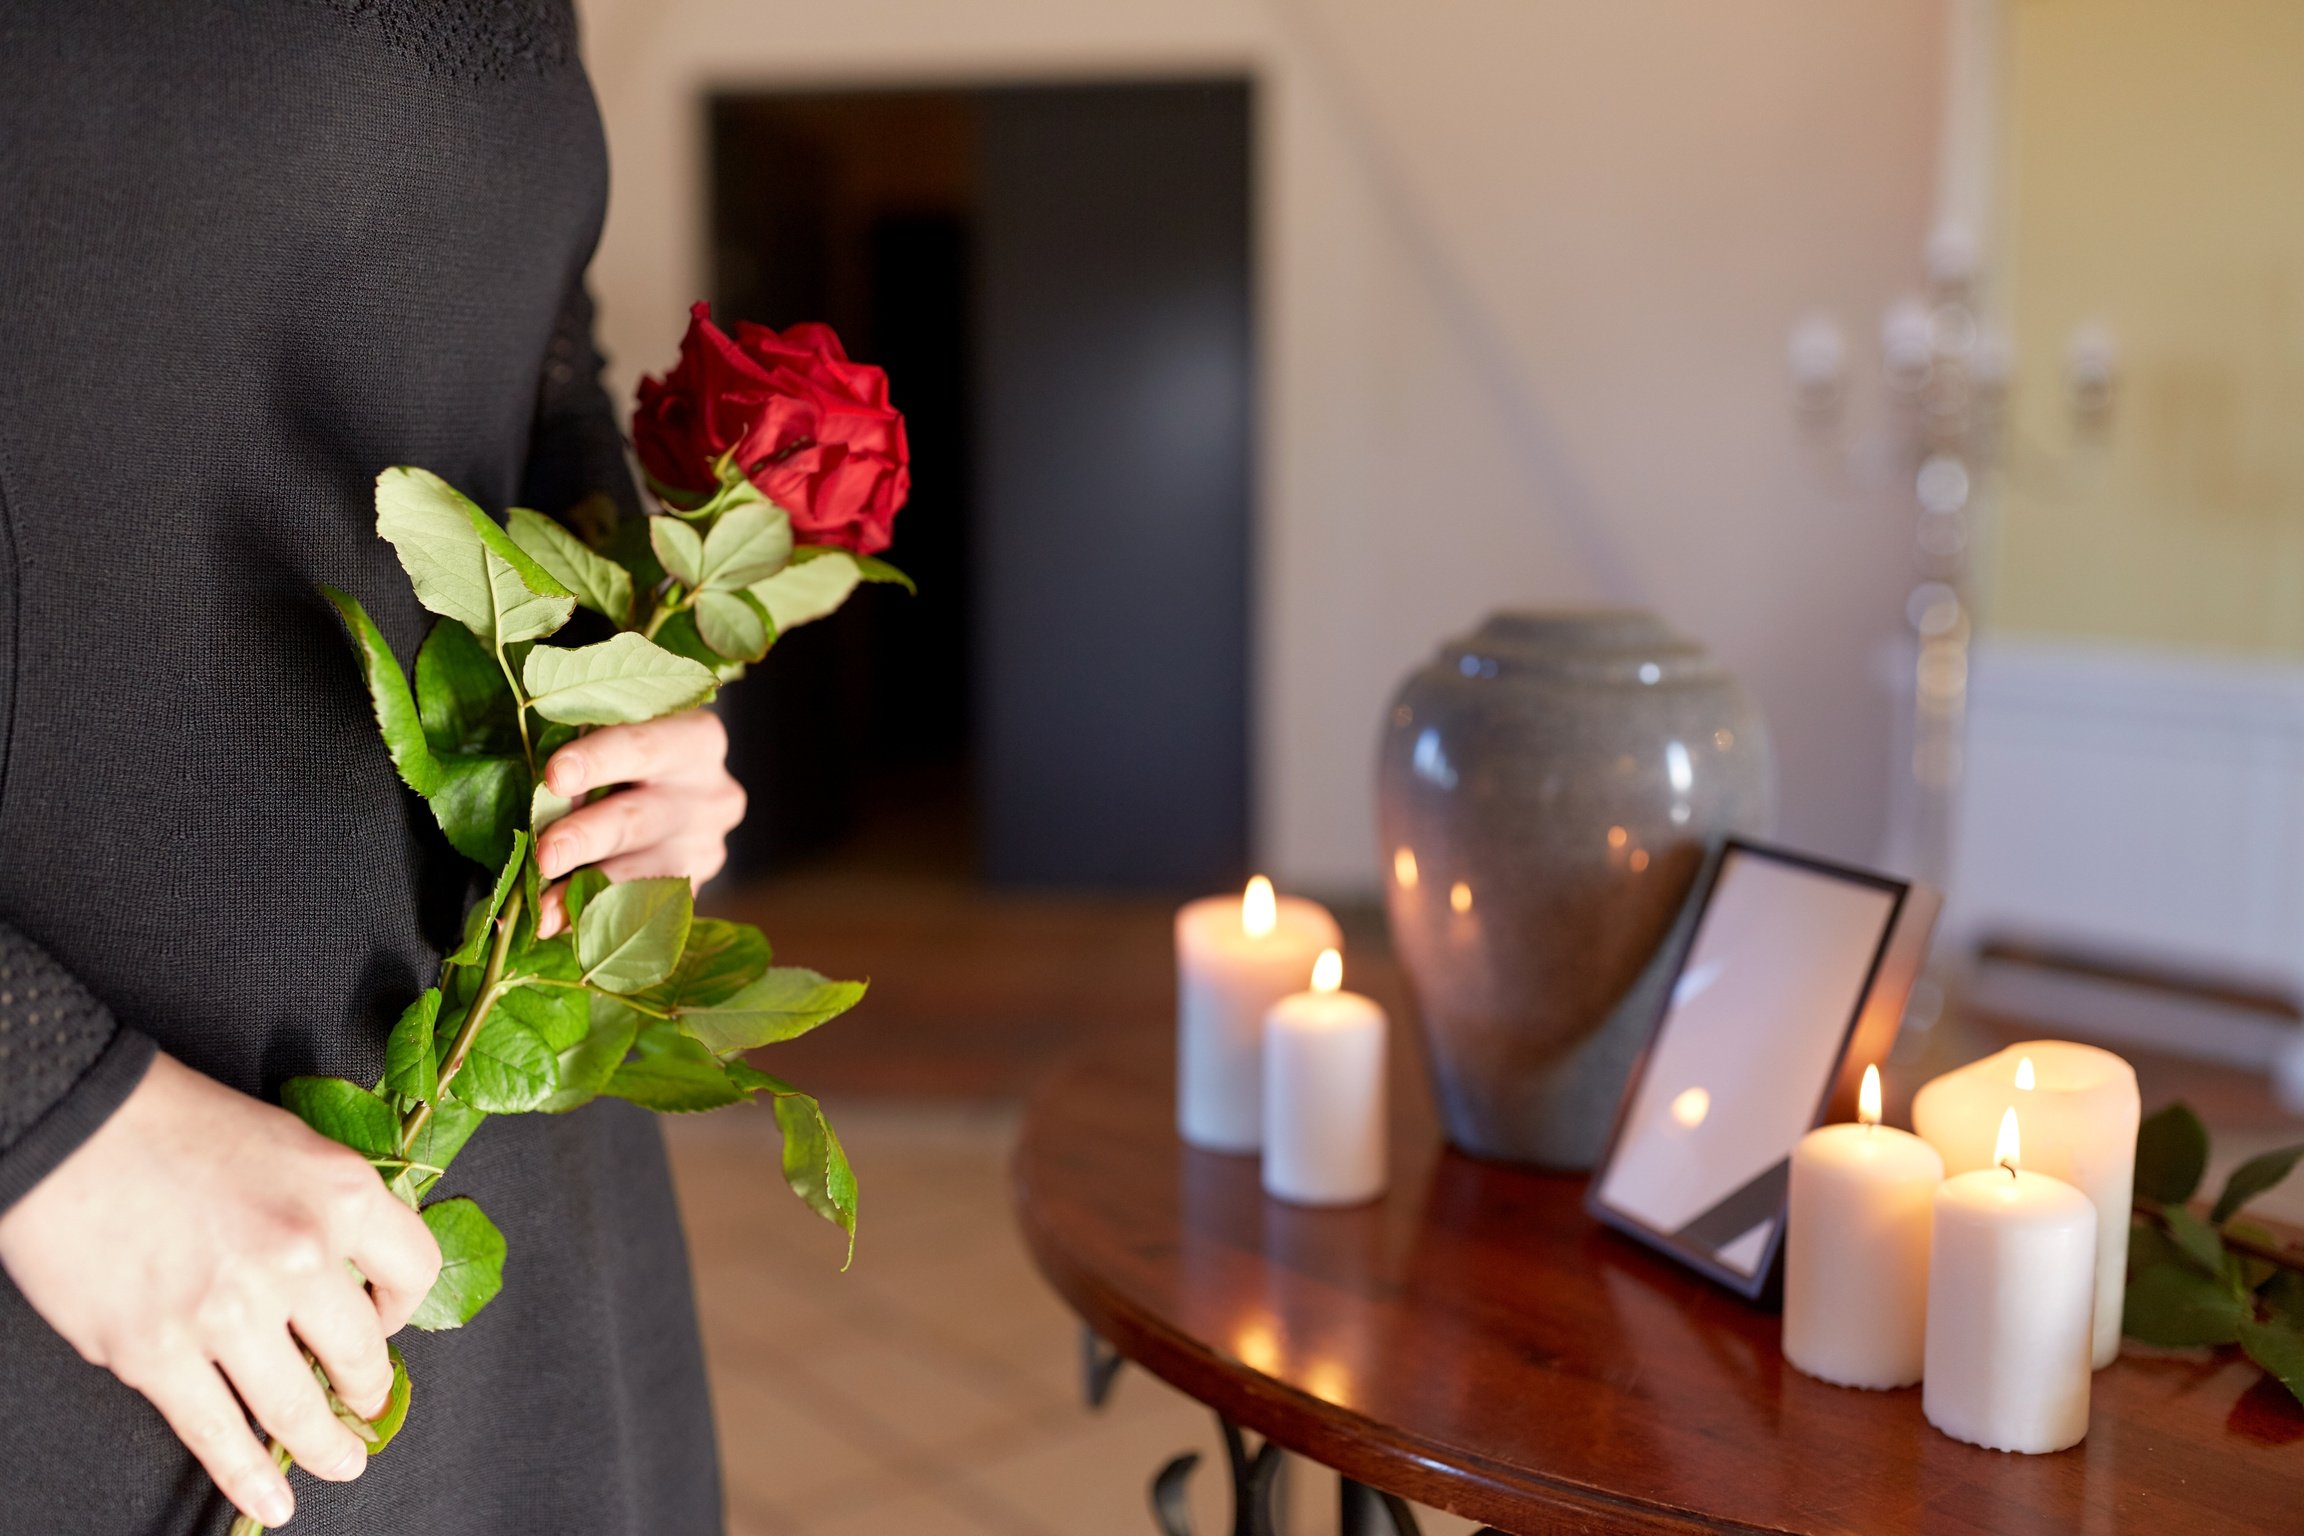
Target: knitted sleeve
{"x": 575, "y": 450}
{"x": 64, "y": 1064}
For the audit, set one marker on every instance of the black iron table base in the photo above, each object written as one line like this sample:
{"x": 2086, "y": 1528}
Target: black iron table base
{"x": 1257, "y": 1478}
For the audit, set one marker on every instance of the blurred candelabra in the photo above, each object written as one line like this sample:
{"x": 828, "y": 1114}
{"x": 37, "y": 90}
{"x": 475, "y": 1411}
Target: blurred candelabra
{"x": 1945, "y": 374}
{"x": 1948, "y": 375}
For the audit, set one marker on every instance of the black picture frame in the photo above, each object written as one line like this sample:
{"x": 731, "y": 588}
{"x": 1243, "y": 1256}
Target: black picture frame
{"x": 1898, "y": 952}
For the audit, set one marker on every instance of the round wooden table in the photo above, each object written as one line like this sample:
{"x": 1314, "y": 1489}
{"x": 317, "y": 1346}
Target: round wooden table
{"x": 1475, "y": 1342}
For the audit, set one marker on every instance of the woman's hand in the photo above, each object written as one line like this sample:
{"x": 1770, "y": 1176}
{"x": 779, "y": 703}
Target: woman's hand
{"x": 672, "y": 817}
{"x": 192, "y": 1241}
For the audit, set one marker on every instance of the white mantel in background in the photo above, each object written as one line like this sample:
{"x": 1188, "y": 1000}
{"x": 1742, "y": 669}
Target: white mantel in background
{"x": 1526, "y": 266}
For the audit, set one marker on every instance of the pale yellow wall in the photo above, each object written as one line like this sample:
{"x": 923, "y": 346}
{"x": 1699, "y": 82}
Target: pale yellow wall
{"x": 2155, "y": 154}
{"x": 1527, "y": 270}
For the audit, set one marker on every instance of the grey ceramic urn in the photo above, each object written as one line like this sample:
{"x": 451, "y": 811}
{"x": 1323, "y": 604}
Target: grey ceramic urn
{"x": 1546, "y": 792}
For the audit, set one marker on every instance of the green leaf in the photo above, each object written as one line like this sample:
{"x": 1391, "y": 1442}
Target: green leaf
{"x": 2169, "y": 1302}
{"x": 545, "y": 807}
{"x": 599, "y": 584}
{"x": 463, "y": 566}
{"x": 734, "y": 624}
{"x": 511, "y": 1067}
{"x": 815, "y": 1164}
{"x": 720, "y": 959}
{"x": 551, "y": 736}
{"x": 344, "y": 1112}
{"x": 388, "y": 695}
{"x": 630, "y": 935}
{"x": 387, "y": 1424}
{"x": 681, "y": 637}
{"x": 622, "y": 679}
{"x": 2253, "y": 1178}
{"x": 375, "y": 1433}
{"x": 443, "y": 1135}
{"x": 750, "y": 542}
{"x": 481, "y": 919}
{"x": 463, "y": 695}
{"x": 586, "y": 1066}
{"x": 479, "y": 804}
{"x": 580, "y": 888}
{"x": 2279, "y": 1349}
{"x": 2171, "y": 1155}
{"x": 410, "y": 1068}
{"x": 807, "y": 590}
{"x": 678, "y": 549}
{"x": 471, "y": 1265}
{"x": 2195, "y": 1239}
{"x": 784, "y": 1003}
{"x": 871, "y": 568}
{"x": 672, "y": 1074}
{"x": 559, "y": 1015}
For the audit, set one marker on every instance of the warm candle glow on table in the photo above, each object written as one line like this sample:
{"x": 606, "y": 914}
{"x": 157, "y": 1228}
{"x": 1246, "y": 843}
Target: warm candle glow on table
{"x": 1324, "y": 1093}
{"x": 1856, "y": 1238}
{"x": 2011, "y": 1293}
{"x": 1235, "y": 957}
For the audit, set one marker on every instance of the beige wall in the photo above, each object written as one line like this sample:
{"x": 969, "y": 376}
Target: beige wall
{"x": 1527, "y": 271}
{"x": 2154, "y": 155}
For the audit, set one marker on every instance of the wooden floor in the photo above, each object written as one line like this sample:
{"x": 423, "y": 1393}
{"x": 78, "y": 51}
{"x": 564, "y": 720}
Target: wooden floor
{"x": 933, "y": 1390}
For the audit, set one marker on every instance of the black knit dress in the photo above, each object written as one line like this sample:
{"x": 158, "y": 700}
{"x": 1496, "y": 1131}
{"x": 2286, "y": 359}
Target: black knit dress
{"x": 252, "y": 252}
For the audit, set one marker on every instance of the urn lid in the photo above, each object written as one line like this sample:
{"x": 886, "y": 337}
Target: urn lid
{"x": 1595, "y": 645}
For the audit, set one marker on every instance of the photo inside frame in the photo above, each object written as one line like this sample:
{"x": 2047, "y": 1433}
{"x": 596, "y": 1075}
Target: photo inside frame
{"x": 1787, "y": 958}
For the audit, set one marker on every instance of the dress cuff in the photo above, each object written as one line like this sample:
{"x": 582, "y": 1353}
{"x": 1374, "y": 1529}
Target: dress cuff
{"x": 72, "y": 1119}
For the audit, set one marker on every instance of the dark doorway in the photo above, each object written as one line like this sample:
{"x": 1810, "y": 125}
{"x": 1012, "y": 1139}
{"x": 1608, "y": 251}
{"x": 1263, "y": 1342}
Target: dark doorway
{"x": 1057, "y": 280}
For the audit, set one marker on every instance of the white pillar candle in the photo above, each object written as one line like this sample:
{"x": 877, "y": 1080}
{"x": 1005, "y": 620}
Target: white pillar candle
{"x": 1235, "y": 958}
{"x": 1324, "y": 1093}
{"x": 1856, "y": 1250}
{"x": 2080, "y": 1109}
{"x": 2011, "y": 1286}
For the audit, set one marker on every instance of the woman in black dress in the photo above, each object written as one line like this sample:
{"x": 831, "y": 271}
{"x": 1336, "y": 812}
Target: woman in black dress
{"x": 252, "y": 252}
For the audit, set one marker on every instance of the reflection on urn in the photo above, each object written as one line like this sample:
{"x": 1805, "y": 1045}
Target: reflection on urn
{"x": 1547, "y": 787}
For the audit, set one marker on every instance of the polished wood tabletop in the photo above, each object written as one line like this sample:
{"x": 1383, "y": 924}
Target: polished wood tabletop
{"x": 1476, "y": 1343}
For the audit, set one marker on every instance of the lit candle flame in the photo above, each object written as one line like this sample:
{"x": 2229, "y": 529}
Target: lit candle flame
{"x": 1328, "y": 971}
{"x": 1404, "y": 868}
{"x": 1460, "y": 898}
{"x": 1868, "y": 1097}
{"x": 1259, "y": 909}
{"x": 2024, "y": 1074}
{"x": 2007, "y": 1151}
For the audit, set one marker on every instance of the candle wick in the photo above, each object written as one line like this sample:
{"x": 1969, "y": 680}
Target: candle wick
{"x": 2011, "y": 1167}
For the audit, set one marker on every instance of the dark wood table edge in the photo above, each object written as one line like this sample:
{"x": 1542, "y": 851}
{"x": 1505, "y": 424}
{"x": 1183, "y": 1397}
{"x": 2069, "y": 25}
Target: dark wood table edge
{"x": 1414, "y": 1467}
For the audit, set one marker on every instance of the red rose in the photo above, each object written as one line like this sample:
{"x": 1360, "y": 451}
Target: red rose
{"x": 813, "y": 431}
